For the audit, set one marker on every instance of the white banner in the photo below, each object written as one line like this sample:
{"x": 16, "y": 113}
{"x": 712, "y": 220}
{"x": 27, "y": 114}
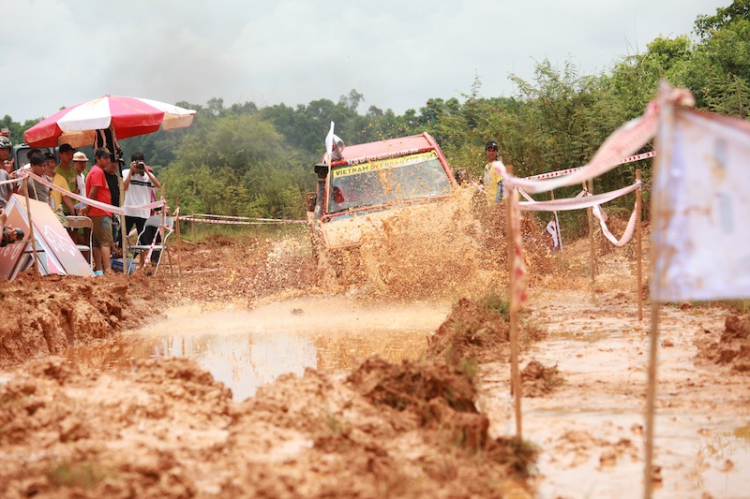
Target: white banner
{"x": 701, "y": 207}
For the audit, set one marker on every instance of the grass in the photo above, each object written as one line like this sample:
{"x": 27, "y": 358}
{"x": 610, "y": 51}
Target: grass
{"x": 86, "y": 475}
{"x": 199, "y": 232}
{"x": 499, "y": 303}
{"x": 739, "y": 307}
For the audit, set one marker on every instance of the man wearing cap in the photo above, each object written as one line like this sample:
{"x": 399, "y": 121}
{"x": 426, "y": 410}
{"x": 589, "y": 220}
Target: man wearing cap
{"x": 7, "y": 167}
{"x": 80, "y": 162}
{"x": 492, "y": 181}
{"x": 98, "y": 190}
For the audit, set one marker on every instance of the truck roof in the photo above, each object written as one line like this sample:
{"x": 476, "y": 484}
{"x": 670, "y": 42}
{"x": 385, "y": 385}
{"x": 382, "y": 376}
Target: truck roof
{"x": 387, "y": 147}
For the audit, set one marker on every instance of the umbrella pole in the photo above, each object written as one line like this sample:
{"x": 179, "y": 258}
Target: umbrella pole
{"x": 31, "y": 232}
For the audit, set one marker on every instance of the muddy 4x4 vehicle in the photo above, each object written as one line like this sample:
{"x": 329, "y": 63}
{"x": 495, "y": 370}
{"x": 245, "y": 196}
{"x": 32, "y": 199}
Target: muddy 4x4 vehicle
{"x": 373, "y": 183}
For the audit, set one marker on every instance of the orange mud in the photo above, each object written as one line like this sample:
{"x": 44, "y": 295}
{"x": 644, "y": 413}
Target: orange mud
{"x": 437, "y": 425}
{"x": 733, "y": 347}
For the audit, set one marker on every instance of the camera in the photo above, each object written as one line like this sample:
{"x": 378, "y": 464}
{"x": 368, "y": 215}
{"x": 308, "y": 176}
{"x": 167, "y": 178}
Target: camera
{"x": 140, "y": 166}
{"x": 6, "y": 238}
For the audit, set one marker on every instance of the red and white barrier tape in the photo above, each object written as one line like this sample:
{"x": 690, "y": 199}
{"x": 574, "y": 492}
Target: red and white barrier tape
{"x": 621, "y": 144}
{"x": 85, "y": 200}
{"x": 11, "y": 181}
{"x": 255, "y": 219}
{"x": 577, "y": 203}
{"x": 561, "y": 173}
{"x": 233, "y": 222}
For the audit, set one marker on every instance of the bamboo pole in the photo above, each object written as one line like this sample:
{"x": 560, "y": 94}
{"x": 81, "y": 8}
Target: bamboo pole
{"x": 515, "y": 377}
{"x": 639, "y": 235}
{"x": 31, "y": 232}
{"x": 179, "y": 239}
{"x": 593, "y": 224}
{"x": 592, "y": 251}
{"x": 650, "y": 398}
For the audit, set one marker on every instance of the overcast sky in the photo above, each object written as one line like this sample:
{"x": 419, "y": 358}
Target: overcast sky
{"x": 398, "y": 54}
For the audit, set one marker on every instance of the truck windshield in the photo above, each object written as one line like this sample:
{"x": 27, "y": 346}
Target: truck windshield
{"x": 388, "y": 181}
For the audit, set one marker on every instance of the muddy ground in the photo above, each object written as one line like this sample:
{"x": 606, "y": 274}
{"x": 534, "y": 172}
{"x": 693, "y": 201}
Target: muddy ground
{"x": 439, "y": 424}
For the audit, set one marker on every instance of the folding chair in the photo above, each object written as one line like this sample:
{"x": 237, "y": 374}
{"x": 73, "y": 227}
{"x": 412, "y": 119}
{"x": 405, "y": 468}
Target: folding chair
{"x": 78, "y": 222}
{"x": 151, "y": 230}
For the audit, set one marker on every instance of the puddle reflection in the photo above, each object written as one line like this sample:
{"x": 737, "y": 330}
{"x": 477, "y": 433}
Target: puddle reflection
{"x": 722, "y": 463}
{"x": 245, "y": 350}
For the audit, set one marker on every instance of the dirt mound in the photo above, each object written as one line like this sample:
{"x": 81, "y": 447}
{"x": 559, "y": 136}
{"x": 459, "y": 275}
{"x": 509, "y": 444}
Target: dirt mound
{"x": 166, "y": 429}
{"x": 733, "y": 347}
{"x": 473, "y": 330}
{"x": 45, "y": 316}
{"x": 69, "y": 435}
{"x": 538, "y": 380}
{"x": 439, "y": 396}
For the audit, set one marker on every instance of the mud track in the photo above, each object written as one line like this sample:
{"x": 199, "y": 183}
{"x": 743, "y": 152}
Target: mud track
{"x": 439, "y": 426}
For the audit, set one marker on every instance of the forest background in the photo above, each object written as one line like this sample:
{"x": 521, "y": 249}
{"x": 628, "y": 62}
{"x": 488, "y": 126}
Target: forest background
{"x": 247, "y": 161}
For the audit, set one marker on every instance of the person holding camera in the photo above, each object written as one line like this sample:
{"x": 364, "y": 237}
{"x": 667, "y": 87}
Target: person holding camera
{"x": 139, "y": 184}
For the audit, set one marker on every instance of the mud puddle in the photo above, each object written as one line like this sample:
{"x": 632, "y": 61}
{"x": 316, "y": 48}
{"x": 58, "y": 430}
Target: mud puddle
{"x": 245, "y": 349}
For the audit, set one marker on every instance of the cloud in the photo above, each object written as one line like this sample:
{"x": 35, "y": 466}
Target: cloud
{"x": 398, "y": 54}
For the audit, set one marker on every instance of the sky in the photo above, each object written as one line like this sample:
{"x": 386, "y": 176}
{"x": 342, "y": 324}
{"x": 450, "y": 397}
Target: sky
{"x": 397, "y": 53}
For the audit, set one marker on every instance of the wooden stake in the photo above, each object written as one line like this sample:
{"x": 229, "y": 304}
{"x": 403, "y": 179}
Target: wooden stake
{"x": 31, "y": 232}
{"x": 596, "y": 257}
{"x": 179, "y": 240}
{"x": 650, "y": 398}
{"x": 515, "y": 376}
{"x": 639, "y": 229}
{"x": 592, "y": 251}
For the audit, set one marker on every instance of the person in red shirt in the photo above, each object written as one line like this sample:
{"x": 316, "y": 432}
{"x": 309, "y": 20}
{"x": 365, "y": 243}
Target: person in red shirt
{"x": 98, "y": 190}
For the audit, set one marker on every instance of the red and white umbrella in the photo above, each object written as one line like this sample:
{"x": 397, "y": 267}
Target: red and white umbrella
{"x": 127, "y": 116}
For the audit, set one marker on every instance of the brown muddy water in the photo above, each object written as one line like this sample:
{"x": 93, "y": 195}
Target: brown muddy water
{"x": 245, "y": 349}
{"x": 591, "y": 429}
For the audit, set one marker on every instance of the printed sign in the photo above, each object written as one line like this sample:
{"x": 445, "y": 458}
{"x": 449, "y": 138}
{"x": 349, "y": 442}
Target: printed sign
{"x": 384, "y": 164}
{"x": 701, "y": 208}
{"x": 12, "y": 254}
{"x": 58, "y": 254}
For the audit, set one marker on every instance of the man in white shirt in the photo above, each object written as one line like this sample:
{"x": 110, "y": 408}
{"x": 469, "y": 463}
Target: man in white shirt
{"x": 139, "y": 183}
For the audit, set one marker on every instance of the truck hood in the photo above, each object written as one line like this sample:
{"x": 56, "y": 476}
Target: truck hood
{"x": 351, "y": 229}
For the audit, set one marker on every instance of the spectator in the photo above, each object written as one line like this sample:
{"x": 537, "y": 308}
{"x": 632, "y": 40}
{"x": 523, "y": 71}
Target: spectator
{"x": 29, "y": 154}
{"x": 114, "y": 181}
{"x": 65, "y": 178}
{"x": 7, "y": 168}
{"x": 97, "y": 189}
{"x": 492, "y": 181}
{"x": 49, "y": 166}
{"x": 80, "y": 161}
{"x": 36, "y": 190}
{"x": 140, "y": 185}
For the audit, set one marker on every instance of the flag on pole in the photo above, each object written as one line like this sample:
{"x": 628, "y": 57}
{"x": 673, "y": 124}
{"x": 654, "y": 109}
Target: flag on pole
{"x": 701, "y": 207}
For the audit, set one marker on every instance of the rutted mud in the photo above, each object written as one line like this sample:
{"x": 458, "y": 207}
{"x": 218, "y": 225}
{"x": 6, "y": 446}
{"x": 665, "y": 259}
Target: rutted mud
{"x": 130, "y": 420}
{"x": 733, "y": 347}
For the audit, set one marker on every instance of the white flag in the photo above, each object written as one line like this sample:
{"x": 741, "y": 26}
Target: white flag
{"x": 701, "y": 207}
